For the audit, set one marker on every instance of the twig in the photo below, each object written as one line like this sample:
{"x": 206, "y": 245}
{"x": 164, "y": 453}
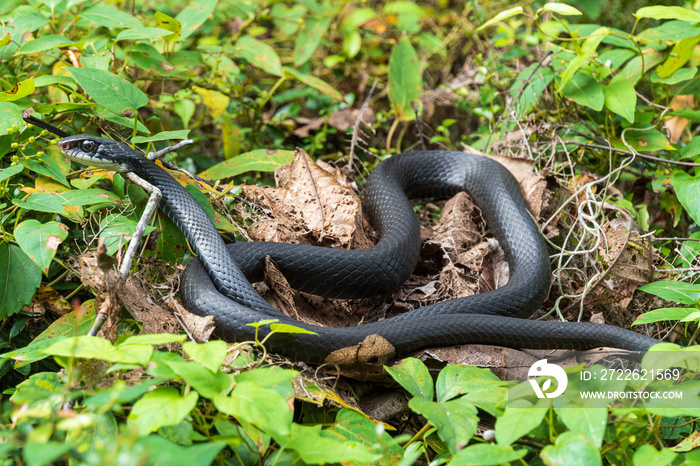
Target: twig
{"x": 158, "y": 154}
{"x": 419, "y": 130}
{"x": 357, "y": 130}
{"x": 637, "y": 154}
{"x": 313, "y": 184}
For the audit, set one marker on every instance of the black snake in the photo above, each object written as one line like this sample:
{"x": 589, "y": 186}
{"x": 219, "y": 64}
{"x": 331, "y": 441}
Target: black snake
{"x": 215, "y": 284}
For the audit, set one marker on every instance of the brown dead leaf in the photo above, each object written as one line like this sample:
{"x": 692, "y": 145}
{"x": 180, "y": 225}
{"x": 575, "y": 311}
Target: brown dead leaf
{"x": 198, "y": 327}
{"x": 346, "y": 118}
{"x": 675, "y": 124}
{"x": 456, "y": 232}
{"x": 495, "y": 272}
{"x": 373, "y": 351}
{"x": 52, "y": 301}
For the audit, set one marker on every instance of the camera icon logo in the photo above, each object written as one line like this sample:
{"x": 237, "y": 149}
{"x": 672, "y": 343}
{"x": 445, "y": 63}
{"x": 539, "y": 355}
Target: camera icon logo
{"x": 542, "y": 368}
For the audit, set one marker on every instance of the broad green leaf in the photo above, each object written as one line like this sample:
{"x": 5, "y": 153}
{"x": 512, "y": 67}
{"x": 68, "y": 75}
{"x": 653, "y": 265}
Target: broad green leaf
{"x": 309, "y": 37}
{"x": 501, "y": 16}
{"x": 458, "y": 379}
{"x": 687, "y": 189}
{"x": 21, "y": 89}
{"x": 42, "y": 202}
{"x": 635, "y": 67}
{"x": 669, "y": 30}
{"x": 684, "y": 74}
{"x": 288, "y": 19}
{"x": 258, "y": 54}
{"x": 169, "y": 23}
{"x": 19, "y": 279}
{"x": 663, "y": 314}
{"x": 193, "y": 15}
{"x": 668, "y": 12}
{"x": 353, "y": 426}
{"x": 409, "y": 15}
{"x": 162, "y": 136}
{"x": 153, "y": 339}
{"x": 38, "y": 387}
{"x": 528, "y": 86}
{"x": 586, "y": 91}
{"x": 40, "y": 241}
{"x": 486, "y": 454}
{"x": 645, "y": 140}
{"x": 162, "y": 407}
{"x": 286, "y": 328}
{"x": 42, "y": 453}
{"x": 312, "y": 81}
{"x": 108, "y": 90}
{"x": 315, "y": 448}
{"x": 87, "y": 347}
{"x": 10, "y": 115}
{"x": 149, "y": 33}
{"x": 519, "y": 421}
{"x": 110, "y": 17}
{"x": 684, "y": 293}
{"x": 6, "y": 173}
{"x": 72, "y": 324}
{"x": 210, "y": 354}
{"x": 163, "y": 452}
{"x": 47, "y": 167}
{"x": 209, "y": 385}
{"x": 275, "y": 378}
{"x": 456, "y": 421}
{"x": 571, "y": 448}
{"x": 405, "y": 79}
{"x": 43, "y": 43}
{"x": 588, "y": 48}
{"x": 620, "y": 97}
{"x": 590, "y": 422}
{"x": 647, "y": 454}
{"x": 97, "y": 437}
{"x": 261, "y": 160}
{"x": 260, "y": 406}
{"x": 561, "y": 8}
{"x": 681, "y": 53}
{"x": 215, "y": 101}
{"x": 92, "y": 196}
{"x": 414, "y": 377}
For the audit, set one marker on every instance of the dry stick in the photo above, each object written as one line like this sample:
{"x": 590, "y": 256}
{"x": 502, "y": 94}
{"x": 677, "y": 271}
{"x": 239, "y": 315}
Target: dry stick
{"x": 151, "y": 205}
{"x": 318, "y": 197}
{"x": 356, "y": 130}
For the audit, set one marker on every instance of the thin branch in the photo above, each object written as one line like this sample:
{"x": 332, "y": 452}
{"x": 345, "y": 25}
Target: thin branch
{"x": 637, "y": 154}
{"x": 358, "y": 122}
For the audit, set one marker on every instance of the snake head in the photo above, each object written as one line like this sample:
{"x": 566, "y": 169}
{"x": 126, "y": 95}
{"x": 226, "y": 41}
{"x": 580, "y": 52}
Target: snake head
{"x": 98, "y": 152}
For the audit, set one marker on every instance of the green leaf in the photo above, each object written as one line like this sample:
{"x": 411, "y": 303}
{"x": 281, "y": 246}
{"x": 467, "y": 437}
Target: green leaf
{"x": 19, "y": 279}
{"x": 110, "y": 17}
{"x": 41, "y": 453}
{"x": 309, "y": 37}
{"x": 162, "y": 407}
{"x": 571, "y": 448}
{"x": 314, "y": 447}
{"x": 561, "y": 8}
{"x": 684, "y": 293}
{"x": 286, "y": 328}
{"x": 590, "y": 422}
{"x": 646, "y": 139}
{"x": 586, "y": 91}
{"x": 588, "y": 48}
{"x": 169, "y": 23}
{"x": 260, "y": 406}
{"x": 163, "y": 452}
{"x": 41, "y": 44}
{"x": 287, "y": 19}
{"x": 72, "y": 324}
{"x": 108, "y": 90}
{"x": 414, "y": 377}
{"x": 663, "y": 314}
{"x": 519, "y": 421}
{"x": 83, "y": 197}
{"x": 42, "y": 202}
{"x": 10, "y": 115}
{"x": 501, "y": 16}
{"x": 258, "y": 54}
{"x": 684, "y": 74}
{"x": 21, "y": 89}
{"x": 353, "y": 426}
{"x": 486, "y": 454}
{"x": 40, "y": 241}
{"x": 153, "y": 339}
{"x": 405, "y": 79}
{"x": 528, "y": 86}
{"x": 194, "y": 15}
{"x": 646, "y": 454}
{"x": 313, "y": 82}
{"x": 149, "y": 33}
{"x": 6, "y": 173}
{"x": 456, "y": 421}
{"x": 681, "y": 53}
{"x": 47, "y": 167}
{"x": 668, "y": 12}
{"x": 97, "y": 437}
{"x": 39, "y": 387}
{"x": 274, "y": 378}
{"x": 208, "y": 384}
{"x": 620, "y": 97}
{"x": 458, "y": 379}
{"x": 688, "y": 191}
{"x": 261, "y": 160}
{"x": 162, "y": 136}
{"x": 210, "y": 354}
{"x": 98, "y": 348}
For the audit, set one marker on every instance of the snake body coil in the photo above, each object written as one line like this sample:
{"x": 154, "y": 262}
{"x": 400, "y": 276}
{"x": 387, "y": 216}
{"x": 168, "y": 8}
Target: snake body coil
{"x": 215, "y": 284}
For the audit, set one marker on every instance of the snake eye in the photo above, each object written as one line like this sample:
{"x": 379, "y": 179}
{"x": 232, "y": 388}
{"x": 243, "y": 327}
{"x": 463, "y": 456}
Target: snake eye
{"x": 87, "y": 146}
